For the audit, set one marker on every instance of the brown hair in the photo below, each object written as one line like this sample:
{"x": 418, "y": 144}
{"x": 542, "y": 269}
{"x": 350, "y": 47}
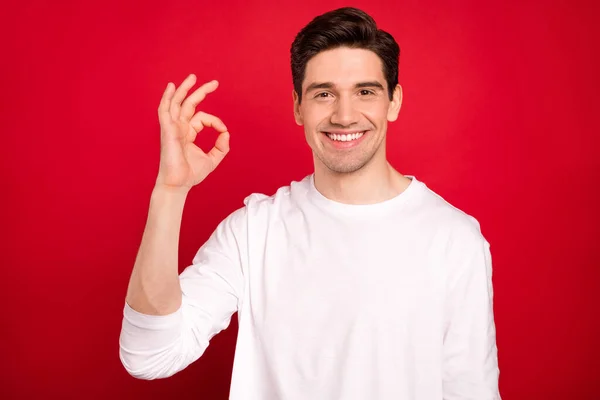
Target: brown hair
{"x": 349, "y": 27}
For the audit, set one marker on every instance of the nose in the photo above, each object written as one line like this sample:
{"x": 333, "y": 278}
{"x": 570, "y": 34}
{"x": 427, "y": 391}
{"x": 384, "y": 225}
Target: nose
{"x": 344, "y": 113}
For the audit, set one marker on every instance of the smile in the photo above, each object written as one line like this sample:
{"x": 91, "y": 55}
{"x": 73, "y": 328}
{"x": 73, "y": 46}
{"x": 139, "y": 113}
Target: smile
{"x": 345, "y": 137}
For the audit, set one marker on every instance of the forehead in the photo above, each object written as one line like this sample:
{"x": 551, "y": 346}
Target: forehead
{"x": 344, "y": 67}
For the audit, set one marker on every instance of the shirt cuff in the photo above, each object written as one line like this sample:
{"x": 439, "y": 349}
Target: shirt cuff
{"x": 151, "y": 322}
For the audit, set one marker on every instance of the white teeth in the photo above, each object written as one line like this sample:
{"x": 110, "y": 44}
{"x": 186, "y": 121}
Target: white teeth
{"x": 345, "y": 138}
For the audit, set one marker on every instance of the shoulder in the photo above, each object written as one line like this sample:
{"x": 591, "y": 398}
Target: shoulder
{"x": 259, "y": 208}
{"x": 456, "y": 226}
{"x": 258, "y": 212}
{"x": 455, "y": 235}
{"x": 261, "y": 204}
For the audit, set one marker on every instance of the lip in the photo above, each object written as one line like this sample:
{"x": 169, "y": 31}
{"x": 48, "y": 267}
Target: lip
{"x": 344, "y": 145}
{"x": 340, "y": 132}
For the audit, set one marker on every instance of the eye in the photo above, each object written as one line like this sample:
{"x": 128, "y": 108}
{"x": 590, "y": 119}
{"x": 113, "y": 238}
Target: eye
{"x": 366, "y": 92}
{"x": 322, "y": 95}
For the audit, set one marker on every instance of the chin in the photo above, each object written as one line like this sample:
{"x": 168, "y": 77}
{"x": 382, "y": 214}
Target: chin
{"x": 347, "y": 167}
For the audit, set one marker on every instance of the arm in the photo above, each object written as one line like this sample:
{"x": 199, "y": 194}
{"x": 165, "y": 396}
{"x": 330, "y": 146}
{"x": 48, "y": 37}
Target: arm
{"x": 166, "y": 324}
{"x": 470, "y": 353}
{"x": 153, "y": 285}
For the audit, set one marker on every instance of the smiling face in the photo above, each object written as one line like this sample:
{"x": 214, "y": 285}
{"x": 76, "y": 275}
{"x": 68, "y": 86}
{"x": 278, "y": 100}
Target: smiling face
{"x": 345, "y": 109}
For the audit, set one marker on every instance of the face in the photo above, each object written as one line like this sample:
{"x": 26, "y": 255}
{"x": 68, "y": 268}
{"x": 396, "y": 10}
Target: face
{"x": 345, "y": 109}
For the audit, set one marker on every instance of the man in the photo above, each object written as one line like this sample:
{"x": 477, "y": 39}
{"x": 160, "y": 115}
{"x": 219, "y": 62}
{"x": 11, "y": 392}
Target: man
{"x": 354, "y": 283}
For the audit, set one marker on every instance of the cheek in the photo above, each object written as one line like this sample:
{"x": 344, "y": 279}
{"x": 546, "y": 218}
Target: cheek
{"x": 315, "y": 117}
{"x": 374, "y": 111}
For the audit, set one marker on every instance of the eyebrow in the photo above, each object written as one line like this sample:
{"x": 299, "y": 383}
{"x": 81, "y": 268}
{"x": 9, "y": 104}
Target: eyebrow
{"x": 330, "y": 85}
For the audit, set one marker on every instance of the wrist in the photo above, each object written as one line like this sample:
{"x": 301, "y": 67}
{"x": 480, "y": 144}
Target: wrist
{"x": 169, "y": 196}
{"x": 168, "y": 190}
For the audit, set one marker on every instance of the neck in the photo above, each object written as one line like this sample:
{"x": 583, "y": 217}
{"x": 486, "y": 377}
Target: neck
{"x": 373, "y": 183}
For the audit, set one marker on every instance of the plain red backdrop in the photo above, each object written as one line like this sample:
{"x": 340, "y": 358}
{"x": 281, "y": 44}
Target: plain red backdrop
{"x": 500, "y": 116}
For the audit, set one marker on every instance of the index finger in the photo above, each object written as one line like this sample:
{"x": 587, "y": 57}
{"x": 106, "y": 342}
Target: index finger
{"x": 188, "y": 108}
{"x": 202, "y": 119}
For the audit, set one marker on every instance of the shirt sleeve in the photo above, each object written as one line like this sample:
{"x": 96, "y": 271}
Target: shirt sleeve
{"x": 470, "y": 354}
{"x": 152, "y": 346}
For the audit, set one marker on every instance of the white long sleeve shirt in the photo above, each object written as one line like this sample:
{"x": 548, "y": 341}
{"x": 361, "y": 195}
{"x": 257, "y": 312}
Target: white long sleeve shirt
{"x": 334, "y": 301}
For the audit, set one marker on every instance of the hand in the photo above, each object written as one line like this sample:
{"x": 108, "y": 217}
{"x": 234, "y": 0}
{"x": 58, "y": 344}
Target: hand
{"x": 182, "y": 163}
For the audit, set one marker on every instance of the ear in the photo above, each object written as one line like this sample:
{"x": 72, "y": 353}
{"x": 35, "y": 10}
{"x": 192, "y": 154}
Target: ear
{"x": 297, "y": 112}
{"x": 395, "y": 104}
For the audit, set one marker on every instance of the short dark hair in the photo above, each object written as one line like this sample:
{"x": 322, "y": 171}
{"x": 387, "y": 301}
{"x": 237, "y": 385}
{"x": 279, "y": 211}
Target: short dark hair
{"x": 344, "y": 27}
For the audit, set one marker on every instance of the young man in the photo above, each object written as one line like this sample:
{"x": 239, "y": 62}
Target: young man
{"x": 354, "y": 283}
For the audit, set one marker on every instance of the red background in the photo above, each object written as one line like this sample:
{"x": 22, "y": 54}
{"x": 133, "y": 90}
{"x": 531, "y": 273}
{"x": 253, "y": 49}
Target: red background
{"x": 500, "y": 116}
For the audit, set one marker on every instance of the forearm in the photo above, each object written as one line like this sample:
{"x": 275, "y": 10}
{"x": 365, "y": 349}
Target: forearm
{"x": 154, "y": 283}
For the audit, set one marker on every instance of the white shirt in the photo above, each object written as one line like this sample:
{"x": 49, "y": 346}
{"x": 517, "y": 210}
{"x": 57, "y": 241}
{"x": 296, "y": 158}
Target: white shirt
{"x": 334, "y": 301}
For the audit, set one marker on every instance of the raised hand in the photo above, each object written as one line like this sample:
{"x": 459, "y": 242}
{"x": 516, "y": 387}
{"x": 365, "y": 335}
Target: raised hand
{"x": 182, "y": 163}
